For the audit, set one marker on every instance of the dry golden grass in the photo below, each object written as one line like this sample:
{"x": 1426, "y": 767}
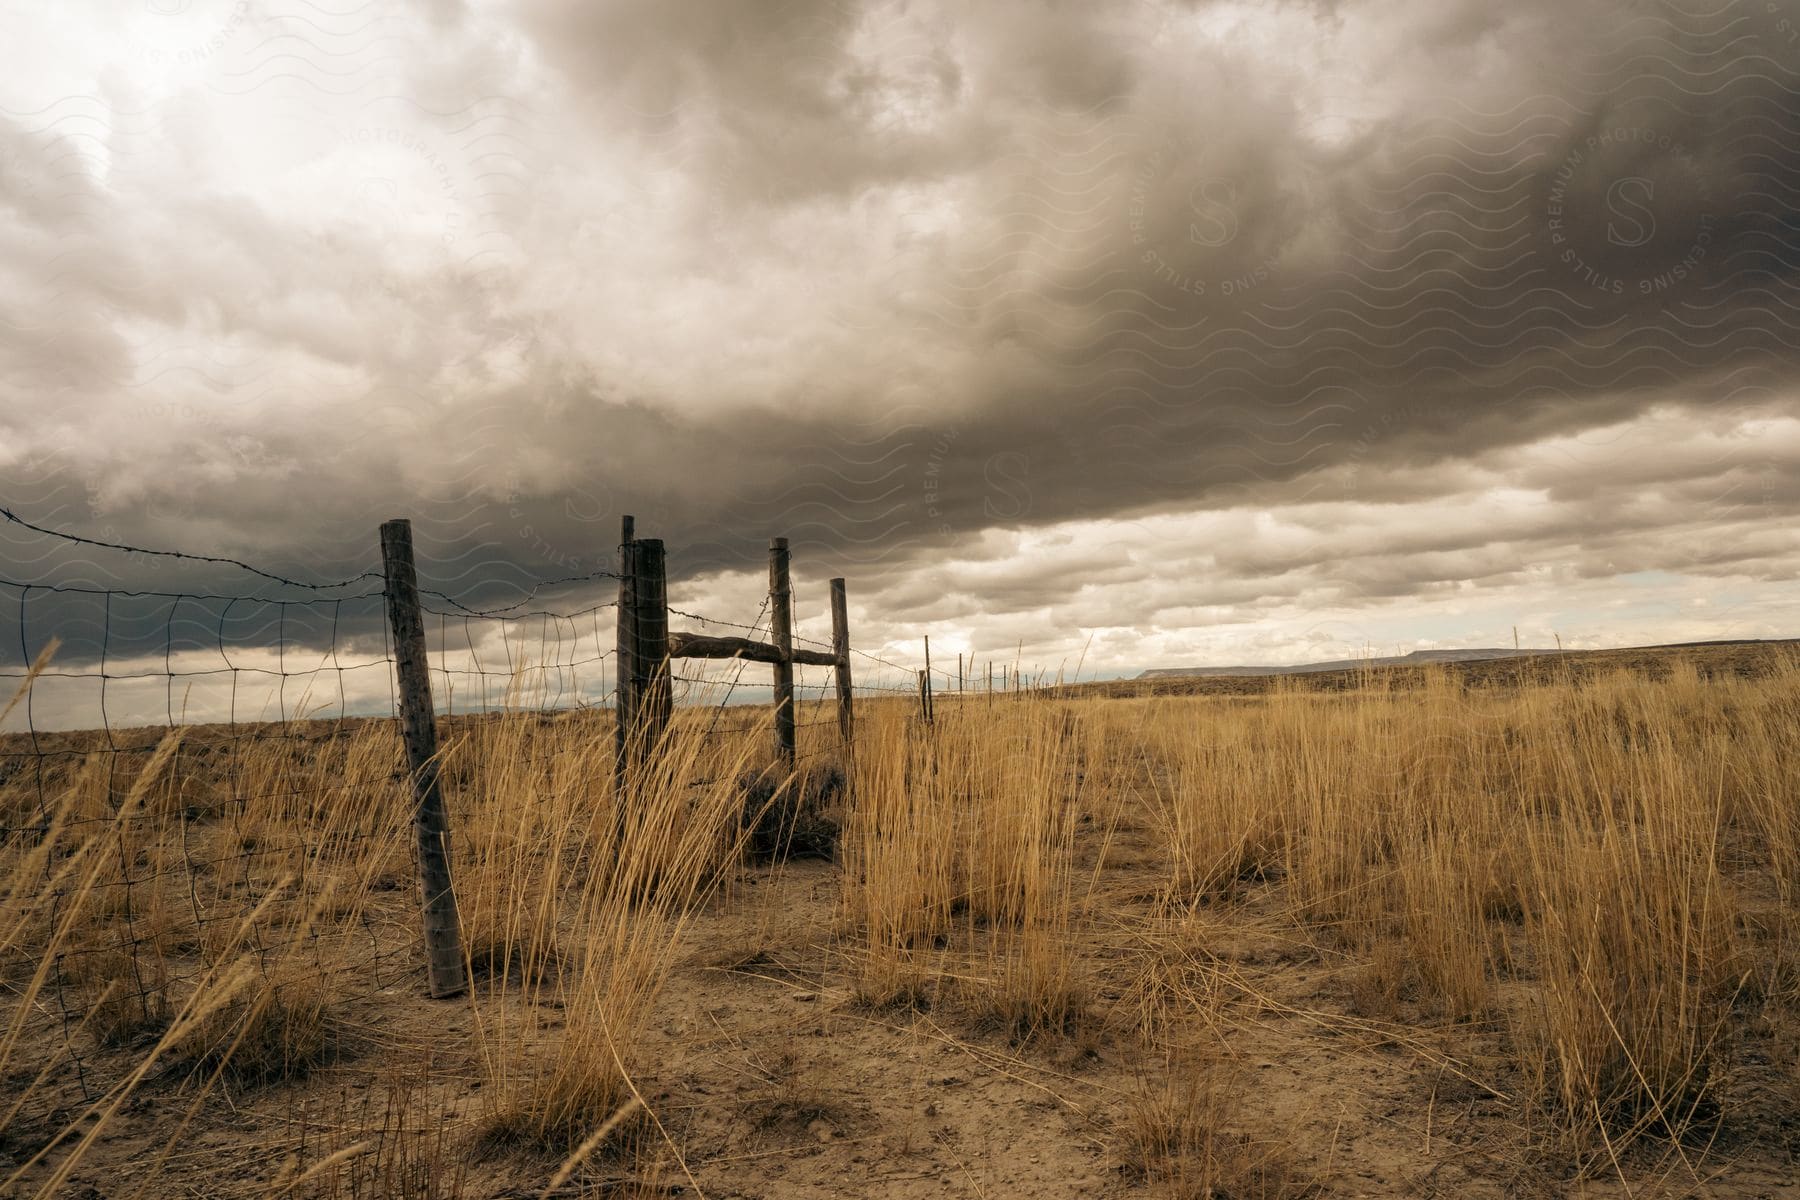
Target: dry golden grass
{"x": 1593, "y": 883}
{"x": 1179, "y": 1137}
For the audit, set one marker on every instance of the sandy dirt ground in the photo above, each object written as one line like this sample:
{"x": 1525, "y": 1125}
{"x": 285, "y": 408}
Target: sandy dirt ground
{"x": 770, "y": 1080}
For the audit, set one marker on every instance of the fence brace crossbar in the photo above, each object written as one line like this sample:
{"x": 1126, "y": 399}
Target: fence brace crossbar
{"x": 643, "y": 699}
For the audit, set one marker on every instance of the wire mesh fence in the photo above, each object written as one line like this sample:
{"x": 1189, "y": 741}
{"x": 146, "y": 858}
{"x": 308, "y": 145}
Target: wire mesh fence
{"x": 207, "y": 784}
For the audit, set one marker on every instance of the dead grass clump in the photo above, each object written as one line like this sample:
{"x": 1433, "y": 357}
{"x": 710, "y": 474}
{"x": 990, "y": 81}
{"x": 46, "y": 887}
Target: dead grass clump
{"x": 791, "y": 816}
{"x": 126, "y": 998}
{"x": 1011, "y": 783}
{"x": 1635, "y": 924}
{"x": 561, "y": 1111}
{"x": 277, "y": 1031}
{"x": 1035, "y": 989}
{"x": 619, "y": 887}
{"x": 968, "y": 833}
{"x": 902, "y": 873}
{"x": 1219, "y": 822}
{"x": 1629, "y": 1028}
{"x": 1379, "y": 987}
{"x": 1178, "y": 1137}
{"x": 1176, "y": 983}
{"x": 1442, "y": 899}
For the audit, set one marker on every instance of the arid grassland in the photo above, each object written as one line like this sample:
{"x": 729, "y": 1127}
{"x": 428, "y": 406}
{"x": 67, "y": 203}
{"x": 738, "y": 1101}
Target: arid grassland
{"x": 1527, "y": 930}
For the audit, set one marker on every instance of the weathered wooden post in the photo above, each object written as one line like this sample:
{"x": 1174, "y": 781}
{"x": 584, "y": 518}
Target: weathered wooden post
{"x": 959, "y": 674}
{"x": 652, "y": 694}
{"x": 625, "y": 652}
{"x": 418, "y": 723}
{"x": 781, "y": 630}
{"x": 925, "y": 685}
{"x": 924, "y": 700}
{"x": 840, "y": 648}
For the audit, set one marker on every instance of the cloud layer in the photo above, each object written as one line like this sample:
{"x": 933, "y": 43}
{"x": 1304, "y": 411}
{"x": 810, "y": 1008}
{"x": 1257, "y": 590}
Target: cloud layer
{"x": 1174, "y": 331}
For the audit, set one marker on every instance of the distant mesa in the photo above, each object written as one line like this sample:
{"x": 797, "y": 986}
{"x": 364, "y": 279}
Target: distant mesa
{"x": 1342, "y": 664}
{"x": 1395, "y": 660}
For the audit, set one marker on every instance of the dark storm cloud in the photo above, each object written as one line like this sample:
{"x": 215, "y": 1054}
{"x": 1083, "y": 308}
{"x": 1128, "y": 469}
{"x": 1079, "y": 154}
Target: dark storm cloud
{"x": 1180, "y": 293}
{"x": 886, "y": 278}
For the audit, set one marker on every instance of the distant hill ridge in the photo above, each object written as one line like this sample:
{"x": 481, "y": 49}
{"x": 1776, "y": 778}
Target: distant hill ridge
{"x": 1343, "y": 664}
{"x": 1396, "y": 660}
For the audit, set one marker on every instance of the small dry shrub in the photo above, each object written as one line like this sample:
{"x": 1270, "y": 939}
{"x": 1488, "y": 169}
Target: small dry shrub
{"x": 1628, "y": 1035}
{"x": 124, "y": 995}
{"x": 529, "y": 957}
{"x": 1037, "y": 990}
{"x": 558, "y": 1107}
{"x": 899, "y": 981}
{"x": 795, "y": 816}
{"x": 1177, "y": 1137}
{"x": 268, "y": 1032}
{"x": 789, "y": 1108}
{"x": 1377, "y": 988}
{"x": 1177, "y": 983}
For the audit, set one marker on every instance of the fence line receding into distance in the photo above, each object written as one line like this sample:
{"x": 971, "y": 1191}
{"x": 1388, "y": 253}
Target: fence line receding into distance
{"x": 267, "y": 679}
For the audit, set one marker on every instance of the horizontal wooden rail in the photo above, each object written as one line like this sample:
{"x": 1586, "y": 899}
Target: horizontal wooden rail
{"x": 696, "y": 645}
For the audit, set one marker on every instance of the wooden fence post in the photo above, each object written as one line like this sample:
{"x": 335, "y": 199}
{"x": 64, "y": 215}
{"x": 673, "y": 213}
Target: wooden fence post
{"x": 925, "y": 686}
{"x": 652, "y": 694}
{"x": 625, "y": 651}
{"x": 781, "y": 630}
{"x": 431, "y": 822}
{"x": 840, "y": 646}
{"x": 959, "y": 674}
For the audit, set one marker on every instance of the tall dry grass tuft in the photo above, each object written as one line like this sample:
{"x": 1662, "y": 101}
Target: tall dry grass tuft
{"x": 902, "y": 873}
{"x": 1212, "y": 805}
{"x": 1633, "y": 917}
{"x": 1022, "y": 877}
{"x": 577, "y": 901}
{"x": 959, "y": 863}
{"x": 1180, "y": 1136}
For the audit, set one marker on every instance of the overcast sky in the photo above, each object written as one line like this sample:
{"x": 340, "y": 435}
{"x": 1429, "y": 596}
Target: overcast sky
{"x": 1187, "y": 333}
